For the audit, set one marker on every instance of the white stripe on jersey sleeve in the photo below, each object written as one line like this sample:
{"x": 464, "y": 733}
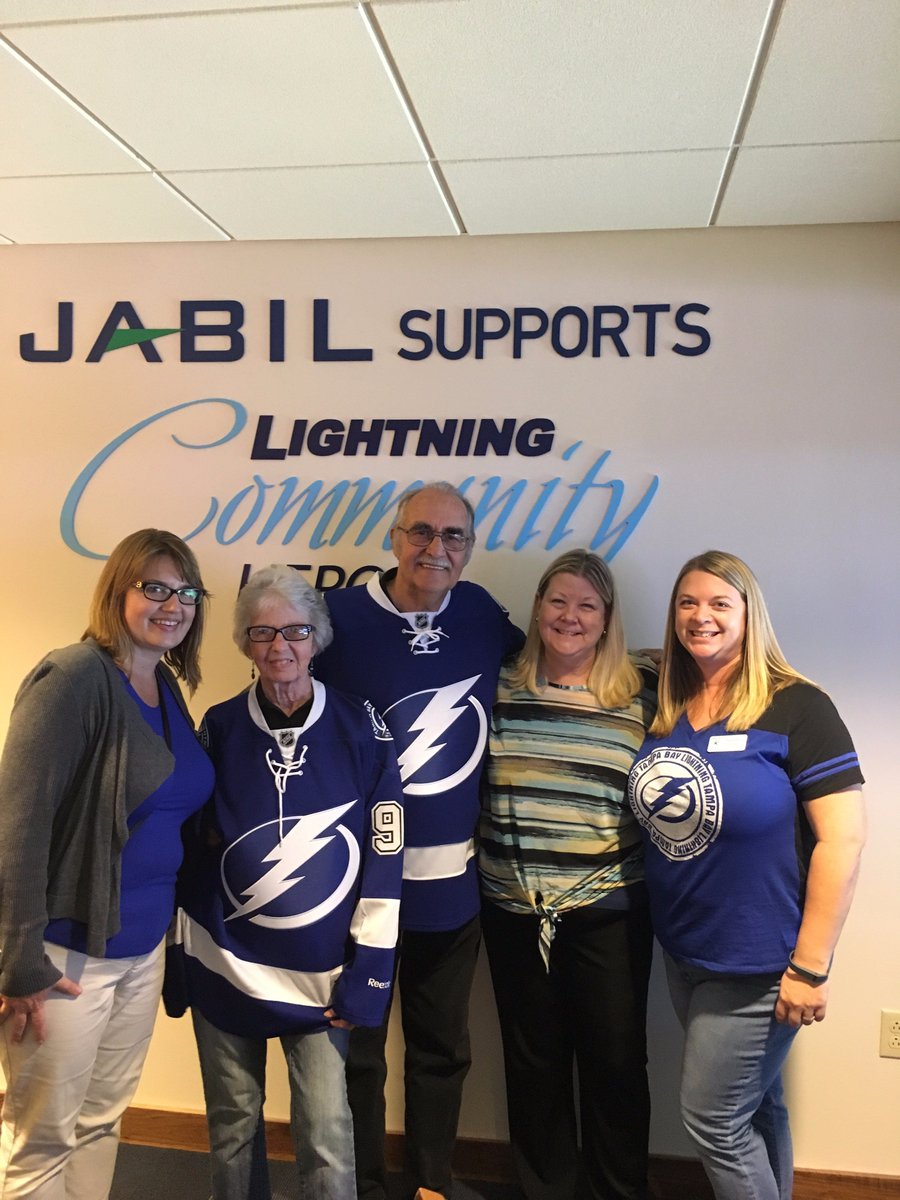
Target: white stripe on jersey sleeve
{"x": 437, "y": 862}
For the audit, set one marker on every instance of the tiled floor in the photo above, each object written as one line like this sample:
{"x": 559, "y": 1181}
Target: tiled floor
{"x": 145, "y": 1173}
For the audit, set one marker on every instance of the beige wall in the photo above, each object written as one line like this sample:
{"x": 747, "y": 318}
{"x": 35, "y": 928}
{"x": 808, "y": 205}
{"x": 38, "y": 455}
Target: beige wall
{"x": 780, "y": 443}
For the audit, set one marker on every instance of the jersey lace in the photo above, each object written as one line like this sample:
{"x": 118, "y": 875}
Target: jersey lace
{"x": 282, "y": 771}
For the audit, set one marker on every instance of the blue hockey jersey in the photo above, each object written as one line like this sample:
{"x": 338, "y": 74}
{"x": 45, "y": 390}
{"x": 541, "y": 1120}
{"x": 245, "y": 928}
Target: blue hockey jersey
{"x": 726, "y": 843}
{"x": 291, "y": 892}
{"x": 433, "y": 677}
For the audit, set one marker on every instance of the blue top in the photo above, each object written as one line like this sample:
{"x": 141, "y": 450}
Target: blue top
{"x": 152, "y": 855}
{"x": 726, "y": 841}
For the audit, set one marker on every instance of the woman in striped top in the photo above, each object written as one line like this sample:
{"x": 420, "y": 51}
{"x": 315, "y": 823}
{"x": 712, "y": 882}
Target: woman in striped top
{"x": 565, "y": 910}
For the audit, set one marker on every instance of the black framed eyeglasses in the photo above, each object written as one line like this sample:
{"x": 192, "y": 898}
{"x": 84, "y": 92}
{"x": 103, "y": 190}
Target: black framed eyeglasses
{"x": 424, "y": 535}
{"x": 160, "y": 592}
{"x": 290, "y": 633}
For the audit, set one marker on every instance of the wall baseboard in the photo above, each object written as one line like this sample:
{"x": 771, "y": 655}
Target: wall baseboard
{"x": 671, "y": 1178}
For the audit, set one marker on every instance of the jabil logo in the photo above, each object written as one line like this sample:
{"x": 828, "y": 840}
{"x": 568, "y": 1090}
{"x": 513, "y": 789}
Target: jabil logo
{"x": 124, "y": 327}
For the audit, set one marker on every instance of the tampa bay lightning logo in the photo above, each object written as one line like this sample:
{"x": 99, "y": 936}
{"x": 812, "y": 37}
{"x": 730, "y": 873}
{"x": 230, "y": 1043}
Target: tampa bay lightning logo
{"x": 676, "y": 797}
{"x": 381, "y": 731}
{"x": 262, "y": 876}
{"x": 441, "y": 734}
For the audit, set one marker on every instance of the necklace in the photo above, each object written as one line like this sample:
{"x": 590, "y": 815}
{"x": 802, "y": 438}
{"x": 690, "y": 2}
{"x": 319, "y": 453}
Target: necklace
{"x": 568, "y": 687}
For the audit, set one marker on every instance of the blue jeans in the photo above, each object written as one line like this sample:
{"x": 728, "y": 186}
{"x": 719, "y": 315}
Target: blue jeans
{"x": 234, "y": 1074}
{"x": 732, "y": 1102}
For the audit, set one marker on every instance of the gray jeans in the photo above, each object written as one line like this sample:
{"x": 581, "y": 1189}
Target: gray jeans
{"x": 234, "y": 1075}
{"x": 732, "y": 1100}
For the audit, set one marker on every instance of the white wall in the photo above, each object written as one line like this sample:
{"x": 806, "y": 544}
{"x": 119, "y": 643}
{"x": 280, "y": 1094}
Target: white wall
{"x": 779, "y": 443}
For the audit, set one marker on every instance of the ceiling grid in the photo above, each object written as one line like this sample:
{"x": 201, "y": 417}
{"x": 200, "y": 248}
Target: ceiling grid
{"x": 198, "y": 120}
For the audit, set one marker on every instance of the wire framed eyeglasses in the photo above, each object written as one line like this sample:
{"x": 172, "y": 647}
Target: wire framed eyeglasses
{"x": 424, "y": 535}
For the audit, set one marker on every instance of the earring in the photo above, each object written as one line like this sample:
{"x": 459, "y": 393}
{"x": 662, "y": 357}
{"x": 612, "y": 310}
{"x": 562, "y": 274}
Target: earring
{"x": 311, "y": 666}
{"x": 252, "y": 672}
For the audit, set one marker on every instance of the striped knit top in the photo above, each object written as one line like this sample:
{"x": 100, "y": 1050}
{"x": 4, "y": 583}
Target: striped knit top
{"x": 557, "y": 832}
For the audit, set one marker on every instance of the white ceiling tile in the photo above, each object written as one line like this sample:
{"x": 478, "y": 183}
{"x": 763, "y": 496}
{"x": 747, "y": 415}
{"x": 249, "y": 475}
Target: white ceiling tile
{"x": 273, "y": 88}
{"x": 18, "y": 12}
{"x": 616, "y": 191}
{"x": 97, "y": 208}
{"x": 517, "y": 78}
{"x": 321, "y": 202}
{"x": 811, "y": 185}
{"x": 832, "y": 75}
{"x": 48, "y": 135}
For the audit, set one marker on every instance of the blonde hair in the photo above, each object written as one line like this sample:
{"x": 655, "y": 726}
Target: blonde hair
{"x": 613, "y": 679}
{"x": 762, "y": 671}
{"x": 125, "y": 566}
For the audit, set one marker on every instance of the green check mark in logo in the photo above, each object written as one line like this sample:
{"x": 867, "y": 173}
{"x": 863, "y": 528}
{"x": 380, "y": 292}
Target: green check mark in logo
{"x": 132, "y": 337}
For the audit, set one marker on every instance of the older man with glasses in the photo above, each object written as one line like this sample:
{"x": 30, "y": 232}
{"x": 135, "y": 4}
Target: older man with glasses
{"x": 426, "y": 650}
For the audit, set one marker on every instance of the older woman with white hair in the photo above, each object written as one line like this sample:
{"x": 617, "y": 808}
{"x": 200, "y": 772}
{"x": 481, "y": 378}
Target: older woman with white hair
{"x": 291, "y": 900}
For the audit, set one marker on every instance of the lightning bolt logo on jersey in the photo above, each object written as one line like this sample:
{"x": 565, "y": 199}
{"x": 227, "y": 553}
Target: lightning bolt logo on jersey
{"x": 428, "y": 718}
{"x": 281, "y": 897}
{"x": 675, "y": 795}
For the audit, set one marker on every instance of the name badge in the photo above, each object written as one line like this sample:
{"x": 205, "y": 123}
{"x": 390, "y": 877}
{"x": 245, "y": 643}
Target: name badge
{"x": 728, "y": 741}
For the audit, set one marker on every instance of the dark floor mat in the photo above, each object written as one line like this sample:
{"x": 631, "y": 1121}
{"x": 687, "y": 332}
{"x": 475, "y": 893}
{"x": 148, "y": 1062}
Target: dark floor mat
{"x": 148, "y": 1173}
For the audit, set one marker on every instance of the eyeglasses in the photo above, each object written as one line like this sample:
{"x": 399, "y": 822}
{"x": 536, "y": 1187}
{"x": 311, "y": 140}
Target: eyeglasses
{"x": 424, "y": 535}
{"x": 290, "y": 633}
{"x": 160, "y": 592}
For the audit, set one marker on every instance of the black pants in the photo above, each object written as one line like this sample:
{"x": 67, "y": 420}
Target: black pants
{"x": 435, "y": 976}
{"x": 590, "y": 1009}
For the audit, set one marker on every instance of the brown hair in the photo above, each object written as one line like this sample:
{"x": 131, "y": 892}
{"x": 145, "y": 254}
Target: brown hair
{"x": 125, "y": 566}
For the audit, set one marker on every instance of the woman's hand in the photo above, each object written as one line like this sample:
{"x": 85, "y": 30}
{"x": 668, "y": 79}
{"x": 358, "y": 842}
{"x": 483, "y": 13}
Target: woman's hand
{"x": 800, "y": 1002}
{"x": 337, "y": 1022}
{"x": 22, "y": 1009}
{"x": 654, "y": 653}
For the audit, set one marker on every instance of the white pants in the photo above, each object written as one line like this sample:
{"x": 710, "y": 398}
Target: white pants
{"x": 65, "y": 1097}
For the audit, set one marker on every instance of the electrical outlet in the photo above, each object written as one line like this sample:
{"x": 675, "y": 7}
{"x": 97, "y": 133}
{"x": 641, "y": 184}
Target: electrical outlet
{"x": 890, "y": 1033}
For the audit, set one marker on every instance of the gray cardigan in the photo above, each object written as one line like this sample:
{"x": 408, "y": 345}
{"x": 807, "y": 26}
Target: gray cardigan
{"x": 78, "y": 759}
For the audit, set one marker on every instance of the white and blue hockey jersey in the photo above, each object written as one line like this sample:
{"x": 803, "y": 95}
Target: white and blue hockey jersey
{"x": 433, "y": 677}
{"x": 290, "y": 897}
